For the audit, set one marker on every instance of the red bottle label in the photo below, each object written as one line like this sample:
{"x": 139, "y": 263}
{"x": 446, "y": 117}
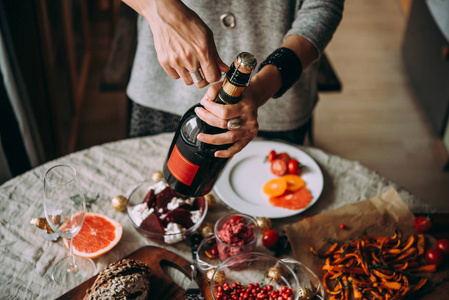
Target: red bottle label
{"x": 181, "y": 168}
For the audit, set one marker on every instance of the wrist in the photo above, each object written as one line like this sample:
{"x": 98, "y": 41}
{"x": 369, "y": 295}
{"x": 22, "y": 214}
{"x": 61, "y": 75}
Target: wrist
{"x": 266, "y": 83}
{"x": 154, "y": 10}
{"x": 289, "y": 66}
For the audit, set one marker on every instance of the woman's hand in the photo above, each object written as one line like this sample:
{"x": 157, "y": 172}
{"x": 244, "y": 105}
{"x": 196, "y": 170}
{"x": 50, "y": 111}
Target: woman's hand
{"x": 217, "y": 115}
{"x": 261, "y": 88}
{"x": 183, "y": 42}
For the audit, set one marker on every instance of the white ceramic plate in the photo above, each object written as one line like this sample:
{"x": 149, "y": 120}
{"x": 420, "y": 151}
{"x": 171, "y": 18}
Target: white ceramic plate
{"x": 240, "y": 186}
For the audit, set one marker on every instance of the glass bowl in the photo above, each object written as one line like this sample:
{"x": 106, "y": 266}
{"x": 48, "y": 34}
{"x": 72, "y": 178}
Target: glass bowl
{"x": 254, "y": 269}
{"x": 228, "y": 229}
{"x": 136, "y": 195}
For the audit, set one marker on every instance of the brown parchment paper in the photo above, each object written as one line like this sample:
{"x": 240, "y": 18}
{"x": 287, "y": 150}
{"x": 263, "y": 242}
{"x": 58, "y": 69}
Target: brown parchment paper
{"x": 378, "y": 216}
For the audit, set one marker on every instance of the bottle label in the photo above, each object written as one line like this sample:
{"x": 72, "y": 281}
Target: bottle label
{"x": 181, "y": 168}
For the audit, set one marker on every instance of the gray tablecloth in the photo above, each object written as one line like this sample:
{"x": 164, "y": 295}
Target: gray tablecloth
{"x": 109, "y": 170}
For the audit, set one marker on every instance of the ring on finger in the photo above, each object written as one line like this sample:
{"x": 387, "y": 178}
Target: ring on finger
{"x": 234, "y": 123}
{"x": 197, "y": 75}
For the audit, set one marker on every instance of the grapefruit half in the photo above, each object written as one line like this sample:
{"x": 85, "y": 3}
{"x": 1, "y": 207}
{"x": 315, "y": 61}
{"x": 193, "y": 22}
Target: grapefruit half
{"x": 98, "y": 235}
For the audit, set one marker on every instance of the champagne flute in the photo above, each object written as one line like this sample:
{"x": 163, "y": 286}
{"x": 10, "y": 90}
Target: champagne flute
{"x": 65, "y": 206}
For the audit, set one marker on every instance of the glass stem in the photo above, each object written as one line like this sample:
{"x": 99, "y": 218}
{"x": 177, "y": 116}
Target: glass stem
{"x": 72, "y": 265}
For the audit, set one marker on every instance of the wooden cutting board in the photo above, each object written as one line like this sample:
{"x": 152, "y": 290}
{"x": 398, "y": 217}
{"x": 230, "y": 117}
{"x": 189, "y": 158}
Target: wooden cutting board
{"x": 162, "y": 287}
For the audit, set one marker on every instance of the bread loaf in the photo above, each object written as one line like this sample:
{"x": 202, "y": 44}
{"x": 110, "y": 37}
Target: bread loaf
{"x": 125, "y": 279}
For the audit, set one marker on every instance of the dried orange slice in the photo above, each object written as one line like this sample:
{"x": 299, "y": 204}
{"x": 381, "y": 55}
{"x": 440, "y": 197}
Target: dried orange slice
{"x": 275, "y": 187}
{"x": 294, "y": 182}
{"x": 98, "y": 235}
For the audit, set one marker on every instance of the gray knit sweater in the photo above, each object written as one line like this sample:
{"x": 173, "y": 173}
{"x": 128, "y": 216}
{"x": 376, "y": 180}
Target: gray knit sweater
{"x": 261, "y": 26}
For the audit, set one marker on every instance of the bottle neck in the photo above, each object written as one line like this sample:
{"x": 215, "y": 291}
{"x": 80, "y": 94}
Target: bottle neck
{"x": 233, "y": 84}
{"x": 229, "y": 93}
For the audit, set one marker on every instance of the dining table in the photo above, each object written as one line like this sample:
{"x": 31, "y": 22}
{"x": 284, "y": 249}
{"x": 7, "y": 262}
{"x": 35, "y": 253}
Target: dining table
{"x": 107, "y": 170}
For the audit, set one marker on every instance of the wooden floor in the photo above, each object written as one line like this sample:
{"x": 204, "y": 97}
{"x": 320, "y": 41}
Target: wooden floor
{"x": 375, "y": 119}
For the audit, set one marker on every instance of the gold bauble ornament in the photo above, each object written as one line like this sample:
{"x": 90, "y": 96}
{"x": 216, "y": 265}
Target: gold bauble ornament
{"x": 264, "y": 224}
{"x": 209, "y": 274}
{"x": 274, "y": 274}
{"x": 207, "y": 229}
{"x": 219, "y": 276}
{"x": 42, "y": 223}
{"x": 157, "y": 176}
{"x": 305, "y": 293}
{"x": 119, "y": 203}
{"x": 211, "y": 201}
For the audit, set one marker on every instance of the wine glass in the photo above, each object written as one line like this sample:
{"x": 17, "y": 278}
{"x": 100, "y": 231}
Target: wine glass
{"x": 65, "y": 206}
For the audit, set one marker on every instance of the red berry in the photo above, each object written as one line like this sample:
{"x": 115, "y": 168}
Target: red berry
{"x": 271, "y": 156}
{"x": 342, "y": 226}
{"x": 270, "y": 238}
{"x": 293, "y": 166}
{"x": 284, "y": 156}
{"x": 422, "y": 224}
{"x": 443, "y": 246}
{"x": 434, "y": 257}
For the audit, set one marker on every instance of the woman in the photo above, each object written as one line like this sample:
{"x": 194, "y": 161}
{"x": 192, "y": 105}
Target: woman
{"x": 191, "y": 40}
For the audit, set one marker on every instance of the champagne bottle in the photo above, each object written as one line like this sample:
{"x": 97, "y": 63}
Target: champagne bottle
{"x": 191, "y": 168}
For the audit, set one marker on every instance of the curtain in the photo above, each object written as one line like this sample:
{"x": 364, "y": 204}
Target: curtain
{"x": 20, "y": 145}
{"x": 5, "y": 173}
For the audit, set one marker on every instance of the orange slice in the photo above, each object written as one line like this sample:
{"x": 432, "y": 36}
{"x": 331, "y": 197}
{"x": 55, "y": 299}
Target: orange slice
{"x": 275, "y": 187}
{"x": 98, "y": 235}
{"x": 294, "y": 182}
{"x": 293, "y": 200}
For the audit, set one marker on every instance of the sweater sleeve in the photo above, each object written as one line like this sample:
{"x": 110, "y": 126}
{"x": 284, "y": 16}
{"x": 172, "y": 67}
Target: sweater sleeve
{"x": 317, "y": 20}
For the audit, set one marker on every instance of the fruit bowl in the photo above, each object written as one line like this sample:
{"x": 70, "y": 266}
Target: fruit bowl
{"x": 258, "y": 273}
{"x": 161, "y": 215}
